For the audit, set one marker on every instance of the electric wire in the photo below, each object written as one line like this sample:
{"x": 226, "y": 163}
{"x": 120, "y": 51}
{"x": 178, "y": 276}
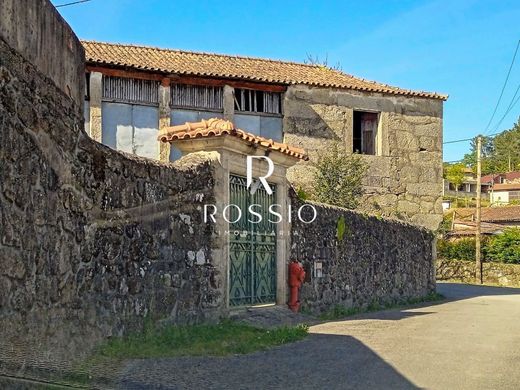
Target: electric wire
{"x": 503, "y": 88}
{"x": 72, "y": 3}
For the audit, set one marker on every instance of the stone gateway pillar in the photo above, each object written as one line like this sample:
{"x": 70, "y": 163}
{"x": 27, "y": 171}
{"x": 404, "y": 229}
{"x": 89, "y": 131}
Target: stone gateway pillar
{"x": 251, "y": 209}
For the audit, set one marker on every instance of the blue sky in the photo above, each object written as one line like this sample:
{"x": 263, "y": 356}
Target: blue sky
{"x": 461, "y": 48}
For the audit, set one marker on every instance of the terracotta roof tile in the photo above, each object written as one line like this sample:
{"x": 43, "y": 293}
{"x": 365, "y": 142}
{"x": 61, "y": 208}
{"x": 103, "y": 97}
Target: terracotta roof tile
{"x": 492, "y": 214}
{"x": 234, "y": 67}
{"x": 506, "y": 187}
{"x": 468, "y": 228}
{"x": 216, "y": 127}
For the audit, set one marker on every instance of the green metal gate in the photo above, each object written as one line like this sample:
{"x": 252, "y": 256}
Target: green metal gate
{"x": 252, "y": 246}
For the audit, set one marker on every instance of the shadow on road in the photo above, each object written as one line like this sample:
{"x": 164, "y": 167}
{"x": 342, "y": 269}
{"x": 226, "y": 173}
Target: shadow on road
{"x": 456, "y": 291}
{"x": 322, "y": 361}
{"x": 451, "y": 291}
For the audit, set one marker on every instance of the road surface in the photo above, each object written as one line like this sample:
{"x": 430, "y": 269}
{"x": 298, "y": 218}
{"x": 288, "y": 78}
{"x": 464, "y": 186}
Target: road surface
{"x": 470, "y": 341}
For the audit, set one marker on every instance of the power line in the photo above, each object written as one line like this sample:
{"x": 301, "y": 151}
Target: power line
{"x": 503, "y": 88}
{"x": 72, "y": 3}
{"x": 512, "y": 103}
{"x": 458, "y": 140}
{"x": 470, "y": 139}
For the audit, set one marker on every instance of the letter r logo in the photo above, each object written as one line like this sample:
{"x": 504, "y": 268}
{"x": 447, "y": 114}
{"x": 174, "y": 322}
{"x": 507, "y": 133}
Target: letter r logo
{"x": 262, "y": 179}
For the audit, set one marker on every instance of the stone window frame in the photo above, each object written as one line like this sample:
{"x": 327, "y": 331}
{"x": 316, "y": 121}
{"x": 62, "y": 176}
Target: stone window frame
{"x": 378, "y": 136}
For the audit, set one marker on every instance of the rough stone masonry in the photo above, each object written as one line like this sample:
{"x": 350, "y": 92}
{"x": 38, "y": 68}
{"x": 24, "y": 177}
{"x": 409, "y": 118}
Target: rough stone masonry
{"x": 364, "y": 260}
{"x": 91, "y": 240}
{"x": 404, "y": 179}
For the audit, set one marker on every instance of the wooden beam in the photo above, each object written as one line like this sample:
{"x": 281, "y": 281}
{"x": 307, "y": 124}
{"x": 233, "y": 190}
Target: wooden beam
{"x": 232, "y": 83}
{"x": 182, "y": 79}
{"x": 132, "y": 74}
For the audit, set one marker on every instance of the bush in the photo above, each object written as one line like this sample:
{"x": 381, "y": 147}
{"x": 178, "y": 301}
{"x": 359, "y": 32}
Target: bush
{"x": 502, "y": 248}
{"x": 456, "y": 250}
{"x": 505, "y": 247}
{"x": 338, "y": 179}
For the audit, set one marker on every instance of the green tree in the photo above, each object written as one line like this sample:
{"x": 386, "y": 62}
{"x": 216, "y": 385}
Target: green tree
{"x": 499, "y": 154}
{"x": 470, "y": 159}
{"x": 338, "y": 179}
{"x": 507, "y": 150}
{"x": 454, "y": 173}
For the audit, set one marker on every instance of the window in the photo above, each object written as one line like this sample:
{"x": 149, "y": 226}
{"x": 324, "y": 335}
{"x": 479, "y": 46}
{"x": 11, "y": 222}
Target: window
{"x": 87, "y": 86}
{"x": 121, "y": 89}
{"x": 365, "y": 132}
{"x": 259, "y": 113}
{"x": 249, "y": 100}
{"x": 196, "y": 97}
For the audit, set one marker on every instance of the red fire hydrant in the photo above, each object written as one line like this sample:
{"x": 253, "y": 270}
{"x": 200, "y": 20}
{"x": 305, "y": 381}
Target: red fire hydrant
{"x": 296, "y": 278}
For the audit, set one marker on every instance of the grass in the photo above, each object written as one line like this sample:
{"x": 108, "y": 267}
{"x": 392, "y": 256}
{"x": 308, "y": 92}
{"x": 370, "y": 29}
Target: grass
{"x": 340, "y": 311}
{"x": 221, "y": 339}
{"x": 226, "y": 338}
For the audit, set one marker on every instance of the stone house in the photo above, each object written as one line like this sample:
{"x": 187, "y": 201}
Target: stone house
{"x": 133, "y": 91}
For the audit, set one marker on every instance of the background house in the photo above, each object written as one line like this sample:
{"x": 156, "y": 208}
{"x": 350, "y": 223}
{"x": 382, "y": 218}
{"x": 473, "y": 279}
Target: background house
{"x": 134, "y": 91}
{"x": 504, "y": 216}
{"x": 468, "y": 188}
{"x": 503, "y": 188}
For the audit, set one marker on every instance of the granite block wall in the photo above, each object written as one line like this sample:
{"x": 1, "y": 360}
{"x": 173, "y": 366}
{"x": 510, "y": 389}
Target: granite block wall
{"x": 92, "y": 241}
{"x": 364, "y": 259}
{"x": 502, "y": 274}
{"x": 404, "y": 179}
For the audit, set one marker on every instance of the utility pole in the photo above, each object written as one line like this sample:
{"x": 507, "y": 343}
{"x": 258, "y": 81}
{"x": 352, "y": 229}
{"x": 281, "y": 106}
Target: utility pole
{"x": 478, "y": 260}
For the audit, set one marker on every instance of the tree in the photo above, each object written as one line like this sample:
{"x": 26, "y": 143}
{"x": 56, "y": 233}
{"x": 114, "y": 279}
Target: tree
{"x": 470, "y": 159}
{"x": 507, "y": 150}
{"x": 338, "y": 178}
{"x": 499, "y": 154}
{"x": 454, "y": 173}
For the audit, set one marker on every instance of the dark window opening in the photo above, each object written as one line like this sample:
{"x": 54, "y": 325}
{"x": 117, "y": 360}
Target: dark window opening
{"x": 87, "y": 86}
{"x": 249, "y": 100}
{"x": 364, "y": 132}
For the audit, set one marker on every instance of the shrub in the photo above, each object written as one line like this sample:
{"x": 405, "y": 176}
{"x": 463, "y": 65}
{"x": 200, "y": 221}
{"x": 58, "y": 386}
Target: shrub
{"x": 463, "y": 249}
{"x": 504, "y": 247}
{"x": 338, "y": 179}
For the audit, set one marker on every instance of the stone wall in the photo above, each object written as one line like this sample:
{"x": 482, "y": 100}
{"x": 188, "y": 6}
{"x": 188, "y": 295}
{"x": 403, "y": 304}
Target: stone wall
{"x": 405, "y": 179}
{"x": 36, "y": 30}
{"x": 372, "y": 261}
{"x": 507, "y": 275}
{"x": 92, "y": 241}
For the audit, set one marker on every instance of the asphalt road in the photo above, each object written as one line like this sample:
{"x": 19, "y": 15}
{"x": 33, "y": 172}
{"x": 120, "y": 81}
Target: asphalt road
{"x": 470, "y": 341}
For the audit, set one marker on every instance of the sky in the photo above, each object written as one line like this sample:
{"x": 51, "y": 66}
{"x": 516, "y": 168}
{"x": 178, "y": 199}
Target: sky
{"x": 462, "y": 48}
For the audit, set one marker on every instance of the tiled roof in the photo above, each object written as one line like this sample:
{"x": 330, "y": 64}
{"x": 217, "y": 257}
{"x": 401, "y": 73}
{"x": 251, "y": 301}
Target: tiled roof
{"x": 506, "y": 187}
{"x": 468, "y": 228}
{"x": 233, "y": 67}
{"x": 508, "y": 176}
{"x": 511, "y": 175}
{"x": 488, "y": 179}
{"x": 492, "y": 214}
{"x": 219, "y": 127}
